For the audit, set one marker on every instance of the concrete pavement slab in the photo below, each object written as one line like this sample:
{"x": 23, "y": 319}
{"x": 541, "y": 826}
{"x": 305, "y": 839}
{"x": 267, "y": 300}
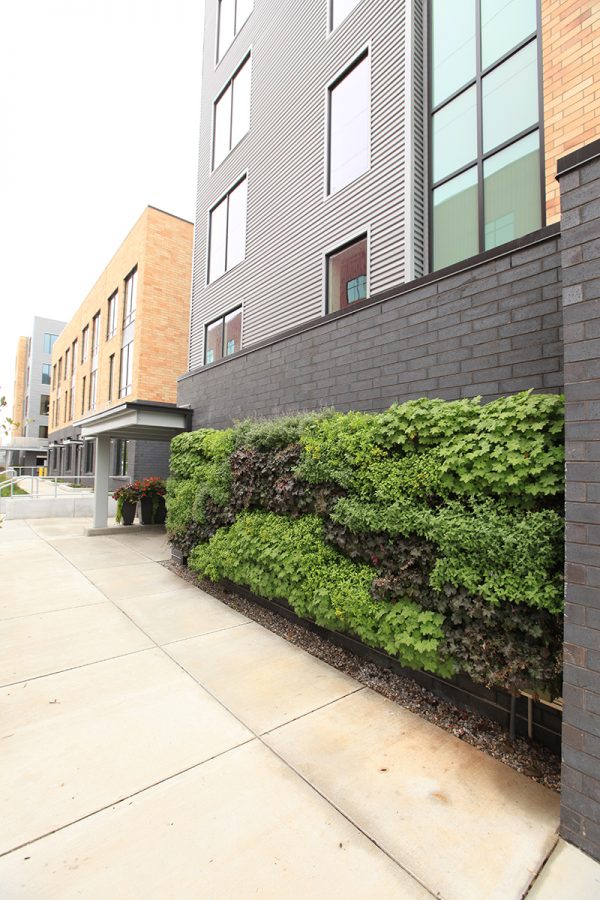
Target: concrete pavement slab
{"x": 28, "y": 548}
{"x": 15, "y": 530}
{"x": 53, "y": 641}
{"x": 96, "y": 553}
{"x": 181, "y": 614}
{"x": 45, "y": 590}
{"x": 78, "y": 741}
{"x": 136, "y": 580}
{"x": 569, "y": 873}
{"x": 464, "y": 824}
{"x": 54, "y": 527}
{"x": 152, "y": 544}
{"x": 262, "y": 678}
{"x": 242, "y": 825}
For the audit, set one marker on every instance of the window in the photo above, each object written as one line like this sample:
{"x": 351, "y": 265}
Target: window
{"x": 340, "y": 10}
{"x": 44, "y": 404}
{"x": 111, "y": 318}
{"x": 60, "y": 369}
{"x": 68, "y": 450}
{"x": 74, "y": 357}
{"x": 120, "y": 459}
{"x": 88, "y": 460}
{"x": 46, "y": 369}
{"x": 84, "y": 343}
{"x": 130, "y": 298}
{"x": 111, "y": 375}
{"x": 49, "y": 340}
{"x": 66, "y": 406}
{"x": 349, "y": 126}
{"x": 93, "y": 386}
{"x": 43, "y": 431}
{"x": 95, "y": 334}
{"x": 126, "y": 379}
{"x": 347, "y": 275}
{"x": 485, "y": 126}
{"x": 223, "y": 337}
{"x": 83, "y": 395}
{"x": 232, "y": 113}
{"x": 232, "y": 15}
{"x": 67, "y": 362}
{"x": 227, "y": 232}
{"x": 72, "y": 403}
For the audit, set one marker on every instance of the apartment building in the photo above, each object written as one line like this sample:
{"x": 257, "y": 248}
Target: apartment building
{"x": 399, "y": 200}
{"x": 31, "y": 396}
{"x": 125, "y": 346}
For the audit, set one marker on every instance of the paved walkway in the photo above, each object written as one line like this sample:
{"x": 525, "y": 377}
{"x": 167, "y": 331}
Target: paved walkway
{"x": 156, "y": 744}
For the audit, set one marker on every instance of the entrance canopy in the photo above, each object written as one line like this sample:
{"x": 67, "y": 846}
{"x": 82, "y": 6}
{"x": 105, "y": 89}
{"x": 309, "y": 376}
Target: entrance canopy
{"x": 136, "y": 421}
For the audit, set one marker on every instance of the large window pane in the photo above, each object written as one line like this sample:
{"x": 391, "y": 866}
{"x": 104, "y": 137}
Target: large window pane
{"x": 512, "y": 192}
{"x": 453, "y": 46}
{"x": 347, "y": 275}
{"x": 349, "y": 127}
{"x": 340, "y": 9}
{"x": 222, "y": 143}
{"x": 243, "y": 10}
{"x": 504, "y": 24}
{"x": 236, "y": 225}
{"x": 226, "y": 25}
{"x": 455, "y": 228}
{"x": 214, "y": 342}
{"x": 510, "y": 98}
{"x": 233, "y": 332}
{"x": 455, "y": 135}
{"x": 218, "y": 240}
{"x": 240, "y": 115}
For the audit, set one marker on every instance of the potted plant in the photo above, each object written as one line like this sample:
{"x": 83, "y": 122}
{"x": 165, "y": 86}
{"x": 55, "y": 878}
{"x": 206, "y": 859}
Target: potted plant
{"x": 127, "y": 498}
{"x": 151, "y": 491}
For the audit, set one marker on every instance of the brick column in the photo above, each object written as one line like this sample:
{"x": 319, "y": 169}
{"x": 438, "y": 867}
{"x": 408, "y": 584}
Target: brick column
{"x": 579, "y": 179}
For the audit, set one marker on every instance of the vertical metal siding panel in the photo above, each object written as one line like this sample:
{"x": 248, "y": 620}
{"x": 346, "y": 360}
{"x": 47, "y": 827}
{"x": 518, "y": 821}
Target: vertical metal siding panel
{"x": 290, "y": 222}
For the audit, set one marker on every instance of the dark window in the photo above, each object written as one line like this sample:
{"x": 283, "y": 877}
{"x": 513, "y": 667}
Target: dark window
{"x": 120, "y": 460}
{"x": 347, "y": 275}
{"x": 130, "y": 298}
{"x": 111, "y": 375}
{"x": 88, "y": 461}
{"x": 223, "y": 337}
{"x": 232, "y": 113}
{"x": 74, "y": 357}
{"x": 60, "y": 369}
{"x": 227, "y": 232}
{"x": 486, "y": 172}
{"x": 68, "y": 458}
{"x": 44, "y": 404}
{"x": 232, "y": 15}
{"x": 46, "y": 373}
{"x": 349, "y": 126}
{"x": 43, "y": 431}
{"x": 49, "y": 340}
{"x": 111, "y": 318}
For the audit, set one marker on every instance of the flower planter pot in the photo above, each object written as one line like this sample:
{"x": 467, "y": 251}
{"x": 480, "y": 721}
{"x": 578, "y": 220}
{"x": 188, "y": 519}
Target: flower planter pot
{"x": 153, "y": 510}
{"x": 128, "y": 512}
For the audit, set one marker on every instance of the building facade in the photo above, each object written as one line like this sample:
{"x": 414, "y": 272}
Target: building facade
{"x": 31, "y": 403}
{"x": 126, "y": 343}
{"x": 401, "y": 200}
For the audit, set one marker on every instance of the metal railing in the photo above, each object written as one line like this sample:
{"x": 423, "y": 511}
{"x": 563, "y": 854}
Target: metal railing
{"x": 44, "y": 486}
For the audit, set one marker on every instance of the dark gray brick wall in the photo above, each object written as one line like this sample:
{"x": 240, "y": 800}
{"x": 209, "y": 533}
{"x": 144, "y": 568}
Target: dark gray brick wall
{"x": 580, "y": 202}
{"x": 147, "y": 458}
{"x": 491, "y": 328}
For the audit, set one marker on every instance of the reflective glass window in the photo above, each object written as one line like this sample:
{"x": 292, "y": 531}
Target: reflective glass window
{"x": 512, "y": 191}
{"x": 455, "y": 220}
{"x": 349, "y": 110}
{"x": 504, "y": 24}
{"x": 510, "y": 97}
{"x": 347, "y": 275}
{"x": 452, "y": 46}
{"x": 340, "y": 9}
{"x": 455, "y": 134}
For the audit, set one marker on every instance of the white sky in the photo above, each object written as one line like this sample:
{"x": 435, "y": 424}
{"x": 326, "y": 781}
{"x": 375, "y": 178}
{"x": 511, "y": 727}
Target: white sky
{"x": 99, "y": 117}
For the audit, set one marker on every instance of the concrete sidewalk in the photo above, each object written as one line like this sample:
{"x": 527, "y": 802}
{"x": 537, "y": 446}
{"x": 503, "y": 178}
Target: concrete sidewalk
{"x": 156, "y": 744}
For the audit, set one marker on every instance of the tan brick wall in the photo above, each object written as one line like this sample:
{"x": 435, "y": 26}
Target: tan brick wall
{"x": 18, "y": 412}
{"x": 571, "y": 62}
{"x": 160, "y": 245}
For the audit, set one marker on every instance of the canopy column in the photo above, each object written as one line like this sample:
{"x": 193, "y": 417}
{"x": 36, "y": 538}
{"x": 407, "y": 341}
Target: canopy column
{"x": 101, "y": 481}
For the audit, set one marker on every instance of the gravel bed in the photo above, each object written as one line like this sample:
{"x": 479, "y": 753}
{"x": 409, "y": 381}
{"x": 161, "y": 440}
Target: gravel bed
{"x": 530, "y": 759}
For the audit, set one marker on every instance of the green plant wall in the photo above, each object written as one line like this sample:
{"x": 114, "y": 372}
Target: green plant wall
{"x": 433, "y": 530}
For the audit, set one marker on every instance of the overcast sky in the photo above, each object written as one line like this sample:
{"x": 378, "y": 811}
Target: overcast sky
{"x": 99, "y": 117}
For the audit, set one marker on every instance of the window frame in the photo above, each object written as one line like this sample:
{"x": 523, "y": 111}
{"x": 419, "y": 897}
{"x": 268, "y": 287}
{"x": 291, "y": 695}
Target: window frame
{"x": 331, "y": 28}
{"x": 126, "y": 388}
{"x": 85, "y": 340}
{"x": 52, "y": 338}
{"x": 351, "y": 238}
{"x": 366, "y": 52}
{"x": 482, "y": 157}
{"x": 230, "y": 84}
{"x": 221, "y": 318}
{"x": 236, "y": 30}
{"x": 47, "y": 373}
{"x": 129, "y": 317}
{"x": 225, "y": 197}
{"x": 111, "y": 314}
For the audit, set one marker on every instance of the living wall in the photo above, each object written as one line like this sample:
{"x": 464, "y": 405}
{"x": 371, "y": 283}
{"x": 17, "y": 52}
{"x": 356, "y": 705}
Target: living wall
{"x": 433, "y": 531}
